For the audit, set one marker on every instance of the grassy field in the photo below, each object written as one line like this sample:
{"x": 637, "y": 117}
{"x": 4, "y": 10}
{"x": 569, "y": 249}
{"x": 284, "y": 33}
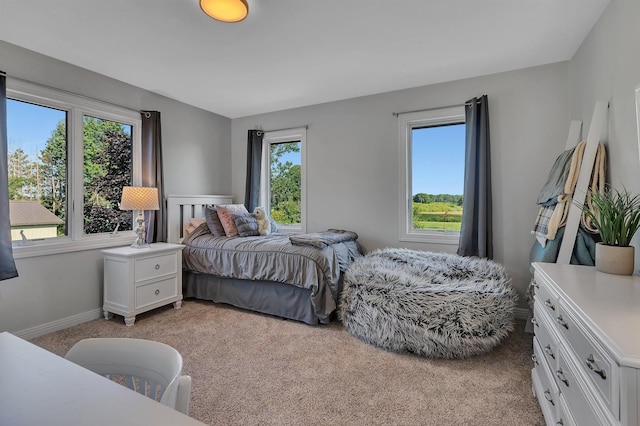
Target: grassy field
{"x": 441, "y": 216}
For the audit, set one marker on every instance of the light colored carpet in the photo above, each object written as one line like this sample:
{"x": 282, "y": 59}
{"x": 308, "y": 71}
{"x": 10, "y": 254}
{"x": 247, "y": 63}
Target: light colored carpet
{"x": 252, "y": 369}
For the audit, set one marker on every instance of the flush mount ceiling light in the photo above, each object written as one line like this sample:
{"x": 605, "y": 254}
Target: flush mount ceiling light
{"x": 225, "y": 10}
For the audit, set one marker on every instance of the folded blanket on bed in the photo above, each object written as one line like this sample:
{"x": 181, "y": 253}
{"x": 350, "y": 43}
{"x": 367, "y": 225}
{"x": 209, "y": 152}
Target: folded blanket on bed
{"x": 323, "y": 239}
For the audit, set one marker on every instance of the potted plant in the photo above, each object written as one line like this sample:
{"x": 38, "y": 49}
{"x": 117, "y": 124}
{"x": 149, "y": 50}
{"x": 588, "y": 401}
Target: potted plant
{"x": 616, "y": 216}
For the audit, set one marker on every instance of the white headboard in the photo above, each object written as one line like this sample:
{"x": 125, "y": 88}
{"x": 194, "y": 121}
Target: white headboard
{"x": 182, "y": 208}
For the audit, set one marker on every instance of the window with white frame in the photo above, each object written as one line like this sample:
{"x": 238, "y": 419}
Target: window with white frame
{"x": 283, "y": 177}
{"x": 432, "y": 156}
{"x": 68, "y": 159}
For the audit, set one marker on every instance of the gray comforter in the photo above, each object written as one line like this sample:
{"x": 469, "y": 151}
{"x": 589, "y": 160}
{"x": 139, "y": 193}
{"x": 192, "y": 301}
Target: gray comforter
{"x": 270, "y": 258}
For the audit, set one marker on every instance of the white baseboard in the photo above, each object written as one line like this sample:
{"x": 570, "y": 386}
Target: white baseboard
{"x": 61, "y": 324}
{"x": 521, "y": 313}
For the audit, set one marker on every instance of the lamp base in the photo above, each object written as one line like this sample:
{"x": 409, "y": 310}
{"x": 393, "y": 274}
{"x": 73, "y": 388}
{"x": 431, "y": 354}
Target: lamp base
{"x": 141, "y": 231}
{"x": 139, "y": 246}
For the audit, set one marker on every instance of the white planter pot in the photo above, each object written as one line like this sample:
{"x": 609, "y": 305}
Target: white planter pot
{"x": 614, "y": 259}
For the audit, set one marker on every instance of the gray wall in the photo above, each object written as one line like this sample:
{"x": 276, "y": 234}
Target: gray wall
{"x": 607, "y": 68}
{"x": 352, "y": 156}
{"x": 196, "y": 150}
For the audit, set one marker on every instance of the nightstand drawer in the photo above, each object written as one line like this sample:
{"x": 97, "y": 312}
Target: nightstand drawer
{"x": 150, "y": 294}
{"x": 156, "y": 266}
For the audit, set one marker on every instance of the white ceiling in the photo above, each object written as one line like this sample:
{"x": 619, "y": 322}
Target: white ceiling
{"x": 292, "y": 53}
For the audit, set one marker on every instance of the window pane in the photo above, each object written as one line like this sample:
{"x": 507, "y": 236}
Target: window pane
{"x": 108, "y": 168}
{"x": 37, "y": 169}
{"x": 285, "y": 183}
{"x": 437, "y": 177}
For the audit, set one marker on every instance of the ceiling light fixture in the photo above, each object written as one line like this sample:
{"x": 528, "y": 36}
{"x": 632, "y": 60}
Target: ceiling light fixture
{"x": 225, "y": 10}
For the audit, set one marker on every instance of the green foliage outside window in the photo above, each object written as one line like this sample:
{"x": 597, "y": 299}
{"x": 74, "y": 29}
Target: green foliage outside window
{"x": 107, "y": 168}
{"x": 437, "y": 212}
{"x": 285, "y": 183}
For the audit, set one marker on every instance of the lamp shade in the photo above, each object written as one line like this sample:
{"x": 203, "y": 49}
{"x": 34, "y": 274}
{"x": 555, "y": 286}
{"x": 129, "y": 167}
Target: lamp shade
{"x": 225, "y": 10}
{"x": 139, "y": 198}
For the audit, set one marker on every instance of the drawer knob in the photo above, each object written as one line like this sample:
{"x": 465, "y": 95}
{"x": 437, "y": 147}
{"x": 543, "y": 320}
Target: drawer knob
{"x": 534, "y": 358}
{"x": 548, "y": 351}
{"x": 157, "y": 292}
{"x": 549, "y": 305}
{"x": 560, "y": 376}
{"x": 591, "y": 364}
{"x": 560, "y": 422}
{"x": 548, "y": 397}
{"x": 535, "y": 322}
{"x": 535, "y": 284}
{"x": 157, "y": 266}
{"x": 562, "y": 322}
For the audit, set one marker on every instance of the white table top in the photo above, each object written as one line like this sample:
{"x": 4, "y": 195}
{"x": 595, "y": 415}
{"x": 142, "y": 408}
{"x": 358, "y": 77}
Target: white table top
{"x": 609, "y": 304}
{"x": 38, "y": 387}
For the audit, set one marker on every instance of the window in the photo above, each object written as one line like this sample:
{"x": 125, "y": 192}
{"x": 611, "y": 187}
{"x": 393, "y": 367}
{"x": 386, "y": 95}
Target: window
{"x": 69, "y": 158}
{"x": 432, "y": 155}
{"x": 282, "y": 190}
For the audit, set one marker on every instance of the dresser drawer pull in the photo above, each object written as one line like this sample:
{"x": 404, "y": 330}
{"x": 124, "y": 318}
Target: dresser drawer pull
{"x": 560, "y": 422}
{"x": 562, "y": 322}
{"x": 535, "y": 322}
{"x": 157, "y": 266}
{"x": 548, "y": 351}
{"x": 534, "y": 358}
{"x": 548, "y": 397}
{"x": 549, "y": 305}
{"x": 157, "y": 292}
{"x": 535, "y": 284}
{"x": 591, "y": 364}
{"x": 560, "y": 376}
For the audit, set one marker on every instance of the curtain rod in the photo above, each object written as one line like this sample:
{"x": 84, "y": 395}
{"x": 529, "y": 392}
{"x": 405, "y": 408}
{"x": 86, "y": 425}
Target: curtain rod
{"x": 395, "y": 114}
{"x": 306, "y": 126}
{"x": 71, "y": 93}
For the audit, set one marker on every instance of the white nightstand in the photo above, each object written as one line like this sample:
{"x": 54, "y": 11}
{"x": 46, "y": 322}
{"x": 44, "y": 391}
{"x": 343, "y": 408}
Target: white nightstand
{"x": 138, "y": 280}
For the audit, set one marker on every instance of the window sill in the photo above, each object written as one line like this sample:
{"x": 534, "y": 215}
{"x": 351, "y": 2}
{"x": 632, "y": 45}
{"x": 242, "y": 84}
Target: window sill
{"x": 38, "y": 248}
{"x": 445, "y": 238}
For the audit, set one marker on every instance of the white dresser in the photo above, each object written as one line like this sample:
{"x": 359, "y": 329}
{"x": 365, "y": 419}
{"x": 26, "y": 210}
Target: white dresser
{"x": 138, "y": 280}
{"x": 586, "y": 346}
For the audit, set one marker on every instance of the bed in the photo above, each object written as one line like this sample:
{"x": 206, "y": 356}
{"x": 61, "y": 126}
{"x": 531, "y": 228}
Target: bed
{"x": 267, "y": 274}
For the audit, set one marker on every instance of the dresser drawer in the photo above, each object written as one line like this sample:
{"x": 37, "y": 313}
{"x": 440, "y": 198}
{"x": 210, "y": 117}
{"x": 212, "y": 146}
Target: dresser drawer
{"x": 584, "y": 409}
{"x": 599, "y": 368}
{"x": 547, "y": 298}
{"x": 157, "y": 266}
{"x": 156, "y": 292}
{"x": 544, "y": 334}
{"x": 547, "y": 392}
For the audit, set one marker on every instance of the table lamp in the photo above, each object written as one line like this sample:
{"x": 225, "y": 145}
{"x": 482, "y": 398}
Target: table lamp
{"x": 139, "y": 198}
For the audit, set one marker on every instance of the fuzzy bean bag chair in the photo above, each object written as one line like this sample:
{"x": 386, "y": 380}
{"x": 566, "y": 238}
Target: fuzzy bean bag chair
{"x": 431, "y": 304}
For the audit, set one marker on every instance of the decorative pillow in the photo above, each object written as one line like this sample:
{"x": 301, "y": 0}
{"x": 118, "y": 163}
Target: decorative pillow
{"x": 213, "y": 222}
{"x": 192, "y": 225}
{"x": 246, "y": 224}
{"x": 274, "y": 226}
{"x": 225, "y": 213}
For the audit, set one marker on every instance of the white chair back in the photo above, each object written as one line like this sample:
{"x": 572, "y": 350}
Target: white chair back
{"x": 150, "y": 368}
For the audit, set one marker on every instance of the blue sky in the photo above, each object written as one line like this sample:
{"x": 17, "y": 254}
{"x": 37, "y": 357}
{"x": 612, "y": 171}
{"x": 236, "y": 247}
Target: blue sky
{"x": 438, "y": 160}
{"x": 29, "y": 126}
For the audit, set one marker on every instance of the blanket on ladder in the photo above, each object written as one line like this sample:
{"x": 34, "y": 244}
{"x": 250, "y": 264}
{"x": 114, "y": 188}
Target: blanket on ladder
{"x": 557, "y": 194}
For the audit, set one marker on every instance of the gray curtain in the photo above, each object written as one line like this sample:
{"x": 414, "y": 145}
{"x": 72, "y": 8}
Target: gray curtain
{"x": 7, "y": 264}
{"x": 152, "y": 174}
{"x": 254, "y": 162}
{"x": 476, "y": 234}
